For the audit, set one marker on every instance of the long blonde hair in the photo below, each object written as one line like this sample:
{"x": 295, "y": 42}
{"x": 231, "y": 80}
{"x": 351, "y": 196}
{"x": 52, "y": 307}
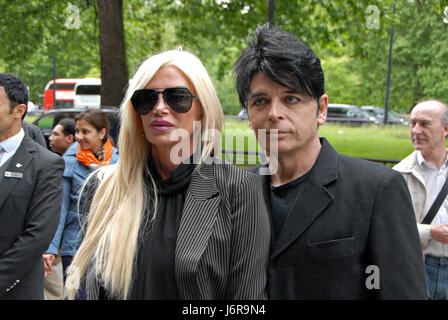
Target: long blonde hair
{"x": 109, "y": 246}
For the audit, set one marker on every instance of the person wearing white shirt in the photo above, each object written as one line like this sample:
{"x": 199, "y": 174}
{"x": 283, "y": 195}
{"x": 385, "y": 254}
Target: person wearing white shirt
{"x": 9, "y": 146}
{"x": 425, "y": 171}
{"x": 30, "y": 198}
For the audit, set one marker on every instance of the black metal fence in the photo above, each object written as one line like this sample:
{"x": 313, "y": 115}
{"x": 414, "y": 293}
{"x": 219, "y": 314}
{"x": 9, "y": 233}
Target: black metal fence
{"x": 234, "y": 153}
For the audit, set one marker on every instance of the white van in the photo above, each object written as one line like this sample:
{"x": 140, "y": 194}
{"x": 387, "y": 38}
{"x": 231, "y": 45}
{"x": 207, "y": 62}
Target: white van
{"x": 87, "y": 94}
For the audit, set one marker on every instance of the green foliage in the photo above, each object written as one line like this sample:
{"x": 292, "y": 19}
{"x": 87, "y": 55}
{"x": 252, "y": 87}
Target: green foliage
{"x": 419, "y": 56}
{"x": 339, "y": 75}
{"x": 377, "y": 142}
{"x": 354, "y": 56}
{"x": 37, "y": 31}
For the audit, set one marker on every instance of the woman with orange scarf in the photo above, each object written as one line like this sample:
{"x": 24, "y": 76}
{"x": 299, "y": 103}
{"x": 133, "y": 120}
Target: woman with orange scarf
{"x": 92, "y": 150}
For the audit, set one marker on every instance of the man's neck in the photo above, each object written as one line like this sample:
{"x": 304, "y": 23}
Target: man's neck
{"x": 294, "y": 165}
{"x": 436, "y": 157}
{"x": 13, "y": 130}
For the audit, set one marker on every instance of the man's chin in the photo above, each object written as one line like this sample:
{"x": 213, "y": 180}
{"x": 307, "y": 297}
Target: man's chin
{"x": 418, "y": 146}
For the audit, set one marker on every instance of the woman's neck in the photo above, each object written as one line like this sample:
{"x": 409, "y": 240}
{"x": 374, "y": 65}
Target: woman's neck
{"x": 166, "y": 161}
{"x": 97, "y": 149}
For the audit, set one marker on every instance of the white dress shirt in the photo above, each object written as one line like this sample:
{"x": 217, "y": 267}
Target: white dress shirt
{"x": 434, "y": 181}
{"x": 10, "y": 146}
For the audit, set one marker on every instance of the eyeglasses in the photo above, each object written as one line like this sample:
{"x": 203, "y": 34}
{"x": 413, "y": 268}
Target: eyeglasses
{"x": 179, "y": 99}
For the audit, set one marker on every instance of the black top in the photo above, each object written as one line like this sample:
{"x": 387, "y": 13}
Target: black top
{"x": 282, "y": 199}
{"x": 155, "y": 271}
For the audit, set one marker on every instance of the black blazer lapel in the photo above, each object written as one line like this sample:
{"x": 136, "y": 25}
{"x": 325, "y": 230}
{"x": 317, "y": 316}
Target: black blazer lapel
{"x": 18, "y": 165}
{"x": 198, "y": 217}
{"x": 312, "y": 200}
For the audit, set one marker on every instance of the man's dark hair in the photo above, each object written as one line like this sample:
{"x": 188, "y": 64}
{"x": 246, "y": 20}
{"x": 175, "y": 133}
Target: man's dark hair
{"x": 284, "y": 59}
{"x": 68, "y": 125}
{"x": 16, "y": 90}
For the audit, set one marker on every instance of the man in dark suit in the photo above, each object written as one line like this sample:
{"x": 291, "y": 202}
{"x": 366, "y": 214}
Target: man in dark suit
{"x": 30, "y": 197}
{"x": 342, "y": 228}
{"x": 33, "y": 131}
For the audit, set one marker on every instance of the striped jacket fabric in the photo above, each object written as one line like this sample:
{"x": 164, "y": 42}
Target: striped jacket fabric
{"x": 223, "y": 240}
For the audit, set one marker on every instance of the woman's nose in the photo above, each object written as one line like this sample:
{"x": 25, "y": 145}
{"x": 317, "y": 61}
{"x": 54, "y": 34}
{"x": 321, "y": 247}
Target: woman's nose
{"x": 160, "y": 104}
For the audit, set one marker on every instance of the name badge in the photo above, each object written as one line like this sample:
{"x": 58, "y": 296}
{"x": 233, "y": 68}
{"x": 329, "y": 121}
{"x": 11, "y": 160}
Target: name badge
{"x": 9, "y": 174}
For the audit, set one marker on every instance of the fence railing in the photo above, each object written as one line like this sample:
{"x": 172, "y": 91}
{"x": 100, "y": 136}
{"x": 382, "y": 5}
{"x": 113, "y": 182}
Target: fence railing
{"x": 235, "y": 153}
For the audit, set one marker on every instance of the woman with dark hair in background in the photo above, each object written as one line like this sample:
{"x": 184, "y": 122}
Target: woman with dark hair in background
{"x": 92, "y": 150}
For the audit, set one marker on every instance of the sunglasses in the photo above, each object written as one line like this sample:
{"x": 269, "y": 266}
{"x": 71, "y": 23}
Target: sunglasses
{"x": 179, "y": 99}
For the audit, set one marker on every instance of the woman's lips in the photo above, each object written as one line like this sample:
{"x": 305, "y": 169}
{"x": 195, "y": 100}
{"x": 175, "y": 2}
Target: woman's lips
{"x": 161, "y": 125}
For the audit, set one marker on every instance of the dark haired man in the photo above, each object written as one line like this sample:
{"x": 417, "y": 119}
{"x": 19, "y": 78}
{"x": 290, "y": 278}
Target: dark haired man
{"x": 342, "y": 228}
{"x": 30, "y": 197}
{"x": 62, "y": 136}
{"x": 61, "y": 139}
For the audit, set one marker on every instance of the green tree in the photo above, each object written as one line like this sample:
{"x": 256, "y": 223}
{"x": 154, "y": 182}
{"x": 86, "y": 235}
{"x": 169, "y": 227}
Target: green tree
{"x": 34, "y": 31}
{"x": 419, "y": 56}
{"x": 353, "y": 53}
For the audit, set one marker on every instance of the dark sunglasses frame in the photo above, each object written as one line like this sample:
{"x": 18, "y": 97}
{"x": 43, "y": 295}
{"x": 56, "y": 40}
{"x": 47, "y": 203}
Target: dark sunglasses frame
{"x": 144, "y": 100}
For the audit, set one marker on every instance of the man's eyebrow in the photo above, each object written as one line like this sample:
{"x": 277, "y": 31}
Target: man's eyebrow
{"x": 261, "y": 94}
{"x": 421, "y": 119}
{"x": 256, "y": 95}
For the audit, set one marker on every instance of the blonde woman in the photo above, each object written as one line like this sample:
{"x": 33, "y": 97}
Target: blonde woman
{"x": 168, "y": 221}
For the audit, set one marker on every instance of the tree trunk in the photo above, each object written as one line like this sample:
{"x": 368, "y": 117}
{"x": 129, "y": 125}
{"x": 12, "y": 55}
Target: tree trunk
{"x": 114, "y": 71}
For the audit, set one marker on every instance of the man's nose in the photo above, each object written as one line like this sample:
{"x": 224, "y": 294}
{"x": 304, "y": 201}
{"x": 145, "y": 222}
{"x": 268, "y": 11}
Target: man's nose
{"x": 276, "y": 110}
{"x": 416, "y": 128}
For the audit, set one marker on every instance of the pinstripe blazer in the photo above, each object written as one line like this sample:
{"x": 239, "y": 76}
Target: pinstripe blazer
{"x": 223, "y": 240}
{"x": 224, "y": 235}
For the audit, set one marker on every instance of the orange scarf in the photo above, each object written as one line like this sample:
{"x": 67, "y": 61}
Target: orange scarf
{"x": 87, "y": 158}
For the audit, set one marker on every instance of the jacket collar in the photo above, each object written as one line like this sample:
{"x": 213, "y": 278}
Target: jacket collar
{"x": 198, "y": 217}
{"x": 71, "y": 151}
{"x": 410, "y": 165}
{"x": 12, "y": 143}
{"x": 203, "y": 183}
{"x": 18, "y": 164}
{"x": 313, "y": 199}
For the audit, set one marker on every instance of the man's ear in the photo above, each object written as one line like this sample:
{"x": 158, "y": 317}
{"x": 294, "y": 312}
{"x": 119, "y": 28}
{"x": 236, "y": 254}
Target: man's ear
{"x": 322, "y": 109}
{"x": 248, "y": 117}
{"x": 19, "y": 111}
{"x": 71, "y": 138}
{"x": 445, "y": 130}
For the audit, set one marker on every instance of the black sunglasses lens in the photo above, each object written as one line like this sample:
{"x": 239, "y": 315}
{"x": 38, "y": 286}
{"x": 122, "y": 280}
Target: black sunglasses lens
{"x": 179, "y": 99}
{"x": 144, "y": 100}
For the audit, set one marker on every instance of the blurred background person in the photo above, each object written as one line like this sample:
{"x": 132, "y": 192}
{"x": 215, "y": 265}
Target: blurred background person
{"x": 62, "y": 136}
{"x": 31, "y": 130}
{"x": 92, "y": 150}
{"x": 169, "y": 221}
{"x": 425, "y": 171}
